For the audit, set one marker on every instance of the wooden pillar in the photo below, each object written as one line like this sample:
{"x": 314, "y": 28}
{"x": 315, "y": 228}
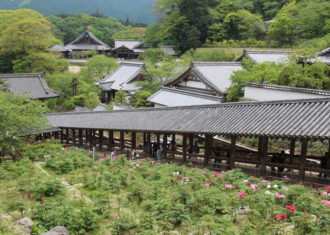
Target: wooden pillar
{"x": 184, "y": 148}
{"x": 149, "y": 152}
{"x": 158, "y": 138}
{"x": 165, "y": 145}
{"x": 87, "y": 137}
{"x": 62, "y": 136}
{"x": 292, "y": 151}
{"x": 56, "y": 135}
{"x": 263, "y": 154}
{"x": 173, "y": 137}
{"x": 133, "y": 136}
{"x": 110, "y": 141}
{"x": 144, "y": 139}
{"x": 94, "y": 138}
{"x": 232, "y": 152}
{"x": 80, "y": 136}
{"x": 100, "y": 139}
{"x": 302, "y": 162}
{"x": 67, "y": 135}
{"x": 191, "y": 141}
{"x": 122, "y": 139}
{"x": 208, "y": 149}
{"x": 73, "y": 136}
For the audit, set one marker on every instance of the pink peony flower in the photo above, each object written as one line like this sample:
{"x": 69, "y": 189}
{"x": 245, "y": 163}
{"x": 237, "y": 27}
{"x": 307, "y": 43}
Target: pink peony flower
{"x": 42, "y": 202}
{"x": 216, "y": 175}
{"x": 185, "y": 178}
{"x": 327, "y": 188}
{"x": 265, "y": 181}
{"x": 248, "y": 183}
{"x": 326, "y": 202}
{"x": 203, "y": 173}
{"x": 280, "y": 196}
{"x": 130, "y": 170}
{"x": 141, "y": 164}
{"x": 229, "y": 186}
{"x": 254, "y": 186}
{"x": 291, "y": 208}
{"x": 177, "y": 176}
{"x": 208, "y": 185}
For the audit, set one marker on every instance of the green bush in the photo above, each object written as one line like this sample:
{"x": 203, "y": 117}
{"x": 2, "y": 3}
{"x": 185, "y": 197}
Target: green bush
{"x": 47, "y": 188}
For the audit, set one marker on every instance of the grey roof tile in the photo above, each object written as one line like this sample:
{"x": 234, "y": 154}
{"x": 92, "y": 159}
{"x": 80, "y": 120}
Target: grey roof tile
{"x": 32, "y": 85}
{"x": 281, "y": 119}
{"x": 260, "y": 56}
{"x": 93, "y": 43}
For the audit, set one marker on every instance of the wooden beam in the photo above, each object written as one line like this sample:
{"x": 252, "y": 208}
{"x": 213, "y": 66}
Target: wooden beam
{"x": 232, "y": 152}
{"x": 191, "y": 141}
{"x": 149, "y": 152}
{"x": 302, "y": 163}
{"x": 144, "y": 139}
{"x": 184, "y": 148}
{"x": 263, "y": 154}
{"x": 100, "y": 139}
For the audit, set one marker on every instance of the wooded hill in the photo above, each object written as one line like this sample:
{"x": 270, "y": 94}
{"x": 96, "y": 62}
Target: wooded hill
{"x": 135, "y": 10}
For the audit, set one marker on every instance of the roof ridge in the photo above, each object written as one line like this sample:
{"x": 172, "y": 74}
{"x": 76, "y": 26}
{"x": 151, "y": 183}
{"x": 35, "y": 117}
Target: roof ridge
{"x": 10, "y": 75}
{"x": 244, "y": 103}
{"x": 269, "y": 51}
{"x": 288, "y": 88}
{"x": 216, "y": 63}
{"x": 197, "y": 94}
{"x": 91, "y": 35}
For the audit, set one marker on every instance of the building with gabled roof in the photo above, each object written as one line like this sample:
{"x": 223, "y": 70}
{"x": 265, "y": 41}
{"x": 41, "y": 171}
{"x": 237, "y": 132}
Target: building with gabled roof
{"x": 261, "y": 56}
{"x": 211, "y": 78}
{"x": 324, "y": 56}
{"x": 168, "y": 50}
{"x": 124, "y": 78}
{"x": 32, "y": 85}
{"x": 128, "y": 49}
{"x": 177, "y": 97}
{"x": 87, "y": 41}
{"x": 268, "y": 92}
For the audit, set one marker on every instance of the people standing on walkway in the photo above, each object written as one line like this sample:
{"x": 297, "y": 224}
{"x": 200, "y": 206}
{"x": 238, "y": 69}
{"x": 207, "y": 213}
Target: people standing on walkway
{"x": 160, "y": 154}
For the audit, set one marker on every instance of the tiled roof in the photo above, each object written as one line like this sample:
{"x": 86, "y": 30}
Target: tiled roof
{"x": 32, "y": 85}
{"x": 122, "y": 76}
{"x": 291, "y": 89}
{"x": 324, "y": 56}
{"x": 177, "y": 97}
{"x": 169, "y": 50}
{"x": 281, "y": 119}
{"x": 130, "y": 44}
{"x": 217, "y": 74}
{"x": 58, "y": 47}
{"x": 260, "y": 56}
{"x": 95, "y": 44}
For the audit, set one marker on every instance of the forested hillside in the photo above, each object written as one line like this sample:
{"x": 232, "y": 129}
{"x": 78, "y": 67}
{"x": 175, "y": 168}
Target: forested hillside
{"x": 135, "y": 10}
{"x": 262, "y": 23}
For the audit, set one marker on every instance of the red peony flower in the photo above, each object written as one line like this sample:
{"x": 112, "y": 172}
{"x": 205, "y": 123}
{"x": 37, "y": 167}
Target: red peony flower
{"x": 283, "y": 216}
{"x": 276, "y": 218}
{"x": 141, "y": 164}
{"x": 291, "y": 208}
{"x": 242, "y": 195}
{"x": 216, "y": 175}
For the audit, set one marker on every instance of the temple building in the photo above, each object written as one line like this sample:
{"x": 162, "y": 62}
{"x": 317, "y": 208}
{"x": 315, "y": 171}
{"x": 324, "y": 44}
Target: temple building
{"x": 32, "y": 85}
{"x": 261, "y": 56}
{"x": 128, "y": 49}
{"x": 87, "y": 41}
{"x": 201, "y": 83}
{"x": 124, "y": 78}
{"x": 267, "y": 92}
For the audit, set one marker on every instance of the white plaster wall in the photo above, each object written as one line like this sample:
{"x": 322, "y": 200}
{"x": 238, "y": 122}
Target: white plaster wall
{"x": 262, "y": 94}
{"x": 193, "y": 84}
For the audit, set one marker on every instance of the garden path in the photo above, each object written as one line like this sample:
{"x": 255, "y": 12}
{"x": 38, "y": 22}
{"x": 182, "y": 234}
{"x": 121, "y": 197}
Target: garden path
{"x": 75, "y": 192}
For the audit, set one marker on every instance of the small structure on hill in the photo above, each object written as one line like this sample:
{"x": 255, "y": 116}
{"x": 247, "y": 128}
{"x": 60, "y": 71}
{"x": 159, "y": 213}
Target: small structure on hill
{"x": 168, "y": 50}
{"x": 124, "y": 78}
{"x": 32, "y": 85}
{"x": 267, "y": 92}
{"x": 208, "y": 81}
{"x": 261, "y": 56}
{"x": 87, "y": 41}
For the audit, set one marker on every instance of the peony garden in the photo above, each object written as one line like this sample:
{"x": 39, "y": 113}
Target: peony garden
{"x": 86, "y": 194}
